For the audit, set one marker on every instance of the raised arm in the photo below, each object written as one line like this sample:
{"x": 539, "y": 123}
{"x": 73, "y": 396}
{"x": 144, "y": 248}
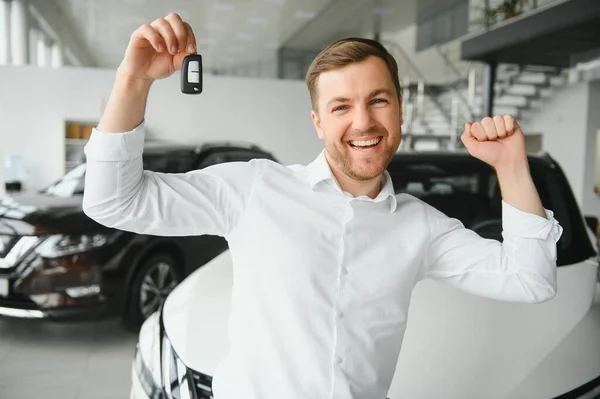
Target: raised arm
{"x": 520, "y": 269}
{"x": 118, "y": 192}
{"x": 155, "y": 51}
{"x": 523, "y": 267}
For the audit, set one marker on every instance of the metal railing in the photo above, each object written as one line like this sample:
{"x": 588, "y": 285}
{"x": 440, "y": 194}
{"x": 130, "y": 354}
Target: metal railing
{"x": 415, "y": 94}
{"x": 489, "y": 13}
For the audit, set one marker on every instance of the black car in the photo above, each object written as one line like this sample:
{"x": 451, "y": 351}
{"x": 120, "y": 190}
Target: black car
{"x": 57, "y": 263}
{"x": 467, "y": 189}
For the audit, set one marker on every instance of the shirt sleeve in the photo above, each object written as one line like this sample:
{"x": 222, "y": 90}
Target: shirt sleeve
{"x": 520, "y": 269}
{"x": 118, "y": 193}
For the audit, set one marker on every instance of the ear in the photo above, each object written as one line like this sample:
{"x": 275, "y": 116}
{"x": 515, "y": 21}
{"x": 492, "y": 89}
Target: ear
{"x": 317, "y": 122}
{"x": 401, "y": 111}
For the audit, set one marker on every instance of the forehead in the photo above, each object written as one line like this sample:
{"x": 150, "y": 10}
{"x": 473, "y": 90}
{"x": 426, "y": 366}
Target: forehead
{"x": 356, "y": 79}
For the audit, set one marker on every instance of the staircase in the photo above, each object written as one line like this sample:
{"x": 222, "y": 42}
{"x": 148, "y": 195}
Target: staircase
{"x": 435, "y": 115}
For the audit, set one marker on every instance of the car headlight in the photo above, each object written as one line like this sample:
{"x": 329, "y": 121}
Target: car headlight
{"x": 173, "y": 380}
{"x": 175, "y": 375}
{"x": 58, "y": 245}
{"x": 152, "y": 390}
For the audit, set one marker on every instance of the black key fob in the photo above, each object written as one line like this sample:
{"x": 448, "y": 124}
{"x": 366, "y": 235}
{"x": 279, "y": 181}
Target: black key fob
{"x": 191, "y": 74}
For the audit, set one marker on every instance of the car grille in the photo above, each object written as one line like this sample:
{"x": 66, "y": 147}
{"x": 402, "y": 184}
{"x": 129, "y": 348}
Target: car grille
{"x": 202, "y": 384}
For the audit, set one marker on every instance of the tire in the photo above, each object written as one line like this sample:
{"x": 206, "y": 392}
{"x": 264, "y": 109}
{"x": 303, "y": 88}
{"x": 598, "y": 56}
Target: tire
{"x": 156, "y": 277}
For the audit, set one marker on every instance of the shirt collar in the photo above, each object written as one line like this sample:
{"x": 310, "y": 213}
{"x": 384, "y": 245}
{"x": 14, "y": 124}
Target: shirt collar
{"x": 319, "y": 171}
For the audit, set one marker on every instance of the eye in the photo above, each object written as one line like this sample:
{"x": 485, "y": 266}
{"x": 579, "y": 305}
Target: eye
{"x": 380, "y": 101}
{"x": 340, "y": 108}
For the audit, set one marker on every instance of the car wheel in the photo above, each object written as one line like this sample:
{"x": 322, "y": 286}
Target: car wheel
{"x": 156, "y": 277}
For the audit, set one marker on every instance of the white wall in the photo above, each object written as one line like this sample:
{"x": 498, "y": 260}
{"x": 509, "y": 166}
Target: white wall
{"x": 562, "y": 120}
{"x": 591, "y": 200}
{"x": 36, "y": 102}
{"x": 431, "y": 64}
{"x": 569, "y": 122}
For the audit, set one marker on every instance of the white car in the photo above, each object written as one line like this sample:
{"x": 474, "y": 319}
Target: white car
{"x": 456, "y": 345}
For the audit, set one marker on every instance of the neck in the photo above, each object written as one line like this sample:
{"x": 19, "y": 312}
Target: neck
{"x": 370, "y": 188}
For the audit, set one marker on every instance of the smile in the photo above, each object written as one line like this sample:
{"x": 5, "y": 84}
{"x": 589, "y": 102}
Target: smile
{"x": 365, "y": 144}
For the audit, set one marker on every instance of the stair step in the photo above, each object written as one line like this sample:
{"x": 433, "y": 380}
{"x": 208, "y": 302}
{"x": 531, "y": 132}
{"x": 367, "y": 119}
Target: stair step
{"x": 522, "y": 90}
{"x": 426, "y": 145}
{"x": 558, "y": 80}
{"x": 511, "y": 100}
{"x": 505, "y": 76}
{"x": 534, "y": 78}
{"x": 536, "y": 104}
{"x": 542, "y": 69}
{"x": 505, "y": 110}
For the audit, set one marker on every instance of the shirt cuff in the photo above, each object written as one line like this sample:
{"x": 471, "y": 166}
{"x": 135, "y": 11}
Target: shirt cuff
{"x": 115, "y": 147}
{"x": 528, "y": 225}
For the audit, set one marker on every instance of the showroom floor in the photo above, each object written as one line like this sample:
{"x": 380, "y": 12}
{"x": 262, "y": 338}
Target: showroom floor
{"x": 65, "y": 361}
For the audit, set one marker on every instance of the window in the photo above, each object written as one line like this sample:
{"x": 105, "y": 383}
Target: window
{"x": 231, "y": 156}
{"x": 457, "y": 190}
{"x": 171, "y": 163}
{"x": 73, "y": 182}
{"x": 468, "y": 190}
{"x": 70, "y": 184}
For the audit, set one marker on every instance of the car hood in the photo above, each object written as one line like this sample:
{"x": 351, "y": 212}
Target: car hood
{"x": 452, "y": 336}
{"x": 196, "y": 313}
{"x": 33, "y": 214}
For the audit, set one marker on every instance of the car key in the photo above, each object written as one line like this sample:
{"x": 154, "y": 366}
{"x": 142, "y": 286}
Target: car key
{"x": 191, "y": 74}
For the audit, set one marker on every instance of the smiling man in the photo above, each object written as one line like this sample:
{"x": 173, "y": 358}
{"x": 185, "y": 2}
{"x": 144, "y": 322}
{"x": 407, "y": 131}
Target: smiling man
{"x": 325, "y": 255}
{"x": 356, "y": 111}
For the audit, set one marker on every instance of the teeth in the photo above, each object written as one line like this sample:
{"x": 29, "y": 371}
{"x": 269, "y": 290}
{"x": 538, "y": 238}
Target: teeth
{"x": 365, "y": 143}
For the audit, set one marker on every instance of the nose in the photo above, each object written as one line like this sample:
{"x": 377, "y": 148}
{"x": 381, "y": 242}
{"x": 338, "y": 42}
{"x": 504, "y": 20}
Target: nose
{"x": 363, "y": 120}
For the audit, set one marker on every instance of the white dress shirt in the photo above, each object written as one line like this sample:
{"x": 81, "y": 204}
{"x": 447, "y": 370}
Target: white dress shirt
{"x": 322, "y": 280}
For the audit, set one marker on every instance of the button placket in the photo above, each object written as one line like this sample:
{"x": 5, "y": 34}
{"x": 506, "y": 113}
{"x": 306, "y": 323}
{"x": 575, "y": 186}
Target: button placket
{"x": 343, "y": 271}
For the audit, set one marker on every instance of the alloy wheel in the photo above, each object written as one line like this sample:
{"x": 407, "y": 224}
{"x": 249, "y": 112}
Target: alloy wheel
{"x": 157, "y": 284}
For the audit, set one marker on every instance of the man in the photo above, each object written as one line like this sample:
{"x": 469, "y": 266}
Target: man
{"x": 325, "y": 255}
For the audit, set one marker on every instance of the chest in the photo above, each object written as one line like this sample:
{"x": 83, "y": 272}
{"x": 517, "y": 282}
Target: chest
{"x": 316, "y": 237}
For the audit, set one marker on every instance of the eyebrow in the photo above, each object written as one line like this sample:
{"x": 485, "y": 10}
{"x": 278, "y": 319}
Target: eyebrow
{"x": 374, "y": 93}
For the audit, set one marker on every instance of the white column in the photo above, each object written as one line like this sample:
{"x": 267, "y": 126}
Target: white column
{"x": 56, "y": 55}
{"x": 4, "y": 32}
{"x": 42, "y": 54}
{"x": 34, "y": 34}
{"x": 19, "y": 28}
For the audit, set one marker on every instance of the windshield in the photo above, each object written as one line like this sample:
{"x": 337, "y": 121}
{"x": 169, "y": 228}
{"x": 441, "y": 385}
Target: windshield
{"x": 73, "y": 182}
{"x": 70, "y": 184}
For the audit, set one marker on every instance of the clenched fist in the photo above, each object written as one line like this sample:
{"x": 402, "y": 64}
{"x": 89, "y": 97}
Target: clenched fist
{"x": 497, "y": 141}
{"x": 157, "y": 50}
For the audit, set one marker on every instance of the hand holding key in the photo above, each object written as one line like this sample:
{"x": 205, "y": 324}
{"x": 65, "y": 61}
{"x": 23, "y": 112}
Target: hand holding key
{"x": 157, "y": 50}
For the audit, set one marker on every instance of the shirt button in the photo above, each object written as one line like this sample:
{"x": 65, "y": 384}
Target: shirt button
{"x": 339, "y": 314}
{"x": 344, "y": 271}
{"x": 338, "y": 360}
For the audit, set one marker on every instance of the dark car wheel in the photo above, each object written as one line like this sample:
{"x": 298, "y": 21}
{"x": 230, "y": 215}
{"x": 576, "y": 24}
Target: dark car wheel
{"x": 156, "y": 277}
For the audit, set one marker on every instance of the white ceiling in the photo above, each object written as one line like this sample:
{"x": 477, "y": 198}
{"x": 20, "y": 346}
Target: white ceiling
{"x": 233, "y": 32}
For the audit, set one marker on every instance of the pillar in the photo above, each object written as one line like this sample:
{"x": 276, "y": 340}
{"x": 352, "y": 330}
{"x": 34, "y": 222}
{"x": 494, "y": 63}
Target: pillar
{"x": 34, "y": 34}
{"x": 19, "y": 32}
{"x": 56, "y": 55}
{"x": 4, "y": 32}
{"x": 488, "y": 87}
